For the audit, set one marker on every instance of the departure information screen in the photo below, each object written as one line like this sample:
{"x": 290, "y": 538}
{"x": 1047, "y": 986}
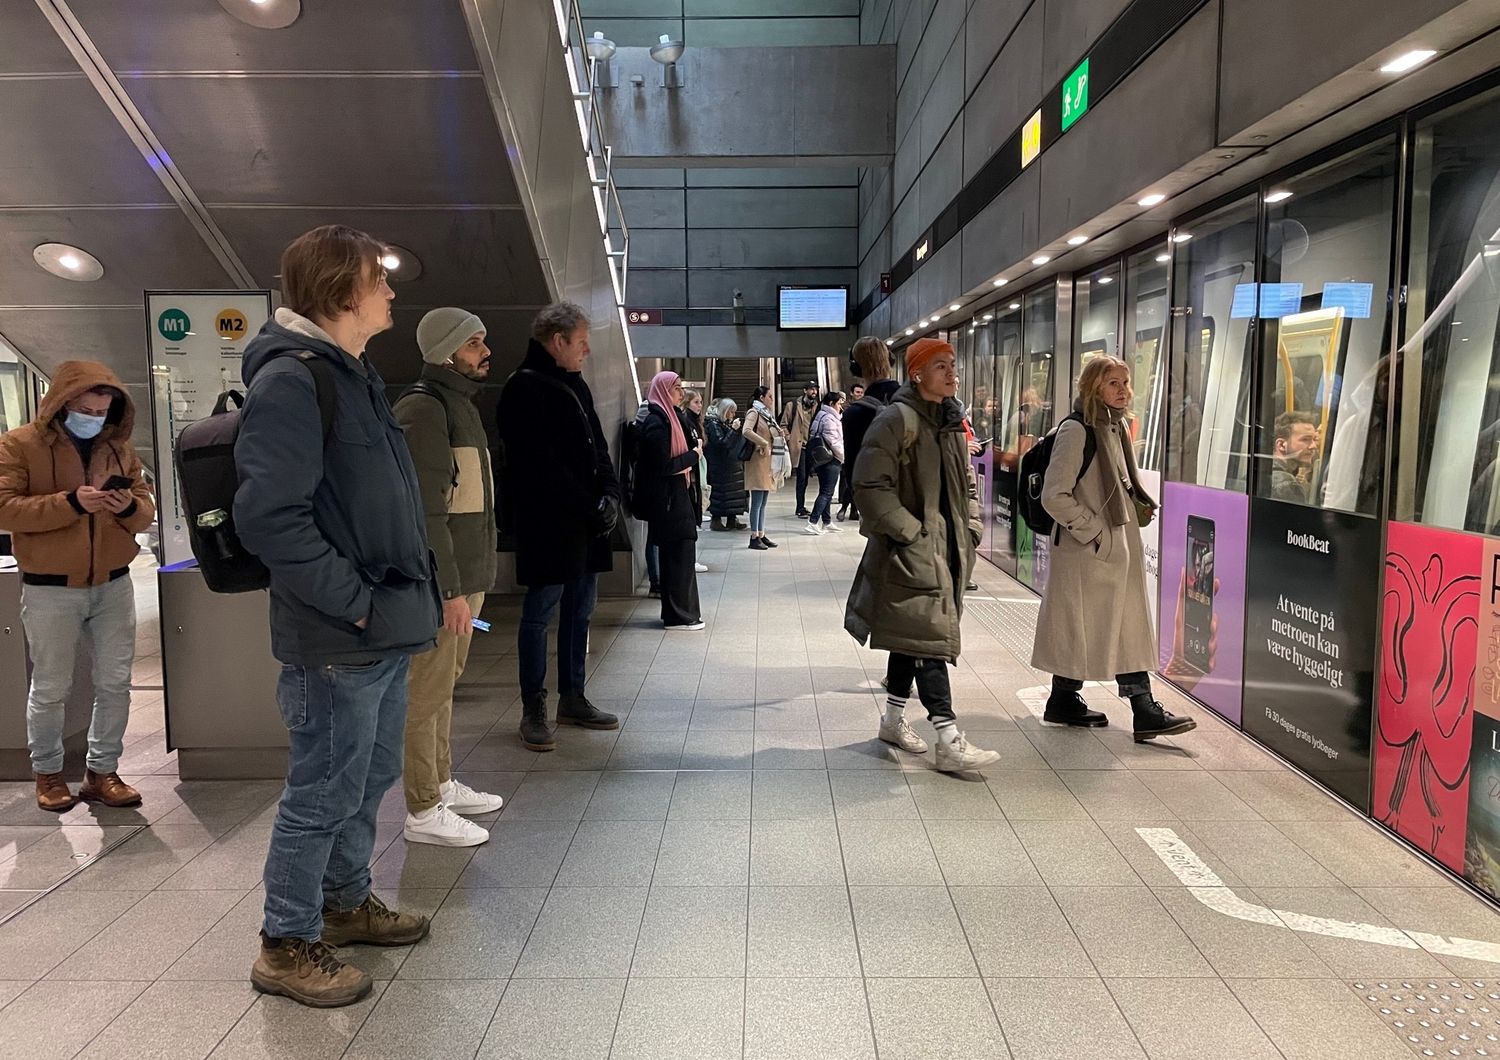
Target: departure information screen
{"x": 812, "y": 308}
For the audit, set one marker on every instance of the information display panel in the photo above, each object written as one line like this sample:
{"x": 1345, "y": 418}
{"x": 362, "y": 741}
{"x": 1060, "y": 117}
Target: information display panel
{"x": 800, "y": 308}
{"x": 196, "y": 341}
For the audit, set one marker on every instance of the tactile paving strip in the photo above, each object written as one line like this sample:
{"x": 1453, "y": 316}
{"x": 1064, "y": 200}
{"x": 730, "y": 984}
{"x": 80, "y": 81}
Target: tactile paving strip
{"x": 1011, "y": 622}
{"x": 1439, "y": 1017}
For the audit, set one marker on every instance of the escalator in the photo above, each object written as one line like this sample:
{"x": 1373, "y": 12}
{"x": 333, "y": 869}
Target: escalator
{"x": 736, "y": 378}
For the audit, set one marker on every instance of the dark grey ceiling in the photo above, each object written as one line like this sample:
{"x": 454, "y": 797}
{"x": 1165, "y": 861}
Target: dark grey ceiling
{"x": 370, "y": 113}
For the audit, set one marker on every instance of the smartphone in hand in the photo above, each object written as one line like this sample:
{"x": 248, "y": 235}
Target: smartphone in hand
{"x": 117, "y": 482}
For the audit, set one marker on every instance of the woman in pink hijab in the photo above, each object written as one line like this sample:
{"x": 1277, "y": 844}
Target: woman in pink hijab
{"x": 664, "y": 485}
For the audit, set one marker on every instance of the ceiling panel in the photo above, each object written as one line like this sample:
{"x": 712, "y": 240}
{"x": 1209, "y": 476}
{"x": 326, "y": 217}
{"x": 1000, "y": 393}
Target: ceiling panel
{"x": 116, "y": 336}
{"x": 139, "y": 248}
{"x": 94, "y": 162}
{"x": 483, "y": 257}
{"x": 200, "y": 35}
{"x": 28, "y": 44}
{"x": 313, "y": 141}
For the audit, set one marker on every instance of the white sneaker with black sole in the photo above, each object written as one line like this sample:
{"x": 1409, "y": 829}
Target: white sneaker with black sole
{"x": 688, "y": 627}
{"x": 441, "y": 827}
{"x": 460, "y": 798}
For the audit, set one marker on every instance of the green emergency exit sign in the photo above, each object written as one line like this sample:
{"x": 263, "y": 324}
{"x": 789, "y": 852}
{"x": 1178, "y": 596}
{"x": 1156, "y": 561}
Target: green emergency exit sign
{"x": 1075, "y": 98}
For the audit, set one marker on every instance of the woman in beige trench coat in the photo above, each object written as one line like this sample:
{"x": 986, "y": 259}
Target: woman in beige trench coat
{"x": 761, "y": 428}
{"x": 1095, "y": 621}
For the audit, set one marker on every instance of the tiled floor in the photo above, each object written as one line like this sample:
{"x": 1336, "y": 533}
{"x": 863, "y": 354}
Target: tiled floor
{"x": 743, "y": 871}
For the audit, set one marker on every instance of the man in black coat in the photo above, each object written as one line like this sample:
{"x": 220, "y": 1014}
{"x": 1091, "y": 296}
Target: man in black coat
{"x": 564, "y": 500}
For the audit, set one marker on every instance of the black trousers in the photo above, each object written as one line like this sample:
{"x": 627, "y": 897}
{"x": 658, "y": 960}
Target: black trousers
{"x": 931, "y": 676}
{"x": 802, "y": 474}
{"x": 1131, "y": 684}
{"x": 679, "y": 583}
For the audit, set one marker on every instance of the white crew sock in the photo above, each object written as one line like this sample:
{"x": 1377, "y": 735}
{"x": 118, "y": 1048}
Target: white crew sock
{"x": 428, "y": 814}
{"x": 947, "y": 731}
{"x": 895, "y": 709}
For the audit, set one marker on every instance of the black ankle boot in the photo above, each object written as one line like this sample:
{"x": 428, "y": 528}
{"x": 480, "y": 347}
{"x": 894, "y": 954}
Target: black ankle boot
{"x": 1152, "y": 720}
{"x": 537, "y": 733}
{"x": 735, "y": 524}
{"x": 574, "y": 708}
{"x": 716, "y": 523}
{"x": 1069, "y": 708}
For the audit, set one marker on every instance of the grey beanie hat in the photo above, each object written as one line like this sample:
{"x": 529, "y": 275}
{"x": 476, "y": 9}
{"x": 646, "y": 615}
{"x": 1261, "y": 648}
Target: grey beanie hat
{"x": 443, "y": 331}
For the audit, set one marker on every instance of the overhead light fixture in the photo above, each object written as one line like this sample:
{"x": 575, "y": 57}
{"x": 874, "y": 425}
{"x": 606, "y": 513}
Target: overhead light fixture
{"x": 400, "y": 264}
{"x": 988, "y": 317}
{"x": 1078, "y": 241}
{"x": 1278, "y": 196}
{"x": 1041, "y": 259}
{"x": 1015, "y": 305}
{"x": 954, "y": 308}
{"x": 1106, "y": 280}
{"x": 667, "y": 52}
{"x": 264, "y": 14}
{"x": 911, "y": 331}
{"x": 1156, "y": 198}
{"x": 1410, "y": 61}
{"x": 1164, "y": 257}
{"x": 600, "y": 50}
{"x": 890, "y": 342}
{"x": 1182, "y": 237}
{"x": 1001, "y": 282}
{"x": 68, "y": 262}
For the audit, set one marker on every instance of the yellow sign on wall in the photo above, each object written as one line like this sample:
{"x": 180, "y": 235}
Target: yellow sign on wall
{"x": 231, "y": 325}
{"x": 1031, "y": 139}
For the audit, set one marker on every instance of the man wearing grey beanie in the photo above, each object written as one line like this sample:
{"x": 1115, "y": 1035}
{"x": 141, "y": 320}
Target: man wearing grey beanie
{"x": 451, "y": 453}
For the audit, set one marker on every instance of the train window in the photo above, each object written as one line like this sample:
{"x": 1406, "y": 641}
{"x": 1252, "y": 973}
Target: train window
{"x": 1144, "y": 343}
{"x": 1039, "y": 341}
{"x": 1096, "y": 308}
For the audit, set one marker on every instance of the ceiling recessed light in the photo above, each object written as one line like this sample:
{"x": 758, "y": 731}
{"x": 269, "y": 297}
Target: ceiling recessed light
{"x": 955, "y": 307}
{"x": 1278, "y": 196}
{"x": 264, "y": 14}
{"x": 68, "y": 262}
{"x": 890, "y": 342}
{"x": 1015, "y": 305}
{"x": 1041, "y": 259}
{"x": 1182, "y": 237}
{"x": 1163, "y": 257}
{"x": 988, "y": 317}
{"x": 400, "y": 264}
{"x": 1001, "y": 282}
{"x": 1410, "y": 61}
{"x": 911, "y": 331}
{"x": 1078, "y": 241}
{"x": 1154, "y": 199}
{"x": 1106, "y": 279}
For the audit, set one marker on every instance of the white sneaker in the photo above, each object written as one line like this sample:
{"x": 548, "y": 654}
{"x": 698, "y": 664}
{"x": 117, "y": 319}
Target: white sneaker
{"x": 460, "y": 798}
{"x": 903, "y": 736}
{"x": 960, "y": 756}
{"x": 832, "y": 528}
{"x": 812, "y": 528}
{"x": 441, "y": 827}
{"x": 685, "y": 628}
{"x": 701, "y": 568}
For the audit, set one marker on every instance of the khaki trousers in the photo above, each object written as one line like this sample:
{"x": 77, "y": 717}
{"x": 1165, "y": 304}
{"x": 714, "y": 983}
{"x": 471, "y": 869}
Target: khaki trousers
{"x": 429, "y": 715}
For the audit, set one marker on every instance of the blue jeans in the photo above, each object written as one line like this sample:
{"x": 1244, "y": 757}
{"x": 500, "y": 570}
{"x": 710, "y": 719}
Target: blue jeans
{"x": 758, "y": 500}
{"x": 346, "y": 725}
{"x": 56, "y": 619}
{"x": 653, "y": 567}
{"x": 577, "y": 600}
{"x": 828, "y": 480}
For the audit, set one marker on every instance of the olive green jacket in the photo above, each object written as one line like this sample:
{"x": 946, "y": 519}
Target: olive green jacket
{"x": 452, "y": 456}
{"x": 908, "y": 592}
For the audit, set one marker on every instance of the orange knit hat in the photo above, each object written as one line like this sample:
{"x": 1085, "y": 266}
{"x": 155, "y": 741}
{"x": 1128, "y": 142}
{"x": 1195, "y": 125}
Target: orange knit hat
{"x": 924, "y": 350}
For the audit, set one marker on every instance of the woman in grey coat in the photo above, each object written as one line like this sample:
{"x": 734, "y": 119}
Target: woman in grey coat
{"x": 1095, "y": 621}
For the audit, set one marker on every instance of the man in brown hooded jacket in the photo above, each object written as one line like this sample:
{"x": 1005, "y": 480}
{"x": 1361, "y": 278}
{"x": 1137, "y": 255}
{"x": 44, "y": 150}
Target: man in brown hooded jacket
{"x": 74, "y": 540}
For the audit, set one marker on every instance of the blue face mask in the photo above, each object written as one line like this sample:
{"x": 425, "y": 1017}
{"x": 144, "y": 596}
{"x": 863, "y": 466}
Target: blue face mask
{"x": 84, "y": 427}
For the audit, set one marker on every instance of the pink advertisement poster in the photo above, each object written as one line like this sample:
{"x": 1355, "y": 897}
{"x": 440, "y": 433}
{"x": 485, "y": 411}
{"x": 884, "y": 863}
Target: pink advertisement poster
{"x": 1432, "y": 672}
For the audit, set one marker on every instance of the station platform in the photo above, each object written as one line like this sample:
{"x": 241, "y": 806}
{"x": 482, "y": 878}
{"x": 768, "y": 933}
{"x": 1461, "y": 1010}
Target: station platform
{"x": 743, "y": 870}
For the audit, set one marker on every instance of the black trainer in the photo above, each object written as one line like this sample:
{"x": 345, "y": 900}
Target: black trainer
{"x": 1152, "y": 719}
{"x": 768, "y": 542}
{"x": 758, "y": 544}
{"x": 1065, "y": 708}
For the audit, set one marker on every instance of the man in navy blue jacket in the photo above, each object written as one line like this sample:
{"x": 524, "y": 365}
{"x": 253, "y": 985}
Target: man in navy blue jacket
{"x": 338, "y": 521}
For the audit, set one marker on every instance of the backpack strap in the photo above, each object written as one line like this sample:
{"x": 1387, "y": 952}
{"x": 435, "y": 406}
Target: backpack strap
{"x": 908, "y": 425}
{"x": 1090, "y": 445}
{"x": 324, "y": 386}
{"x": 425, "y": 388}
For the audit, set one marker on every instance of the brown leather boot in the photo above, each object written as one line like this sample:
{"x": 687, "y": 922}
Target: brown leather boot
{"x": 107, "y": 788}
{"x": 52, "y": 793}
{"x": 373, "y": 924}
{"x": 307, "y": 972}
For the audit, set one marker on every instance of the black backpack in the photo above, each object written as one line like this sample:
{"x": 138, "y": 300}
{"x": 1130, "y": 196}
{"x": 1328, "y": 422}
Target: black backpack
{"x": 630, "y": 450}
{"x": 207, "y": 482}
{"x": 1034, "y": 474}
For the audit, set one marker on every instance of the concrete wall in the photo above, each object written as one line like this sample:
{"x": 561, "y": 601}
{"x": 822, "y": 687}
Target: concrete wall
{"x": 1232, "y": 80}
{"x": 698, "y": 235}
{"x": 724, "y": 23}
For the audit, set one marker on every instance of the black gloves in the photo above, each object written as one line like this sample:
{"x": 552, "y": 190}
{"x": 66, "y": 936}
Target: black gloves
{"x": 606, "y": 516}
